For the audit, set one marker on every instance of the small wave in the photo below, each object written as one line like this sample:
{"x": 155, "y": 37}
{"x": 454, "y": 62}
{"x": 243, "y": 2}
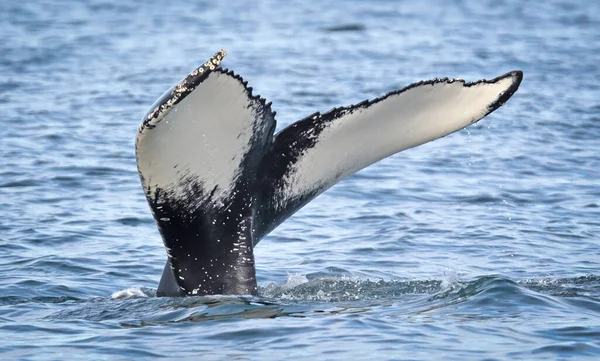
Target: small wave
{"x": 20, "y": 183}
{"x": 134, "y": 221}
{"x": 304, "y": 296}
{"x": 14, "y": 300}
{"x": 344, "y": 288}
{"x": 582, "y": 286}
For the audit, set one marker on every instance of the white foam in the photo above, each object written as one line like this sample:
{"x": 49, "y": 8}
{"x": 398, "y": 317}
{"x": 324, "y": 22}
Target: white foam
{"x": 294, "y": 280}
{"x": 131, "y": 292}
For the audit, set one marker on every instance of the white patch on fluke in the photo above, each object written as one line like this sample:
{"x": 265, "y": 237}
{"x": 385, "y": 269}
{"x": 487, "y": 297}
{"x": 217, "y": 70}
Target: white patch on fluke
{"x": 205, "y": 136}
{"x": 364, "y": 135}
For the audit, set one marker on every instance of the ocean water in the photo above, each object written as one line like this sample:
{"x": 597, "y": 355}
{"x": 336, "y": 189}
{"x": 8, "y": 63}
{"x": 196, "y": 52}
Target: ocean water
{"x": 481, "y": 245}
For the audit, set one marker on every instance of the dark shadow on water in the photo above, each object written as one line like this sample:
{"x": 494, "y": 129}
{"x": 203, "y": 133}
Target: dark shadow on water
{"x": 345, "y": 28}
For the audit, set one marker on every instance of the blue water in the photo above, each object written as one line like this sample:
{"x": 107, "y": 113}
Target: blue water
{"x": 481, "y": 245}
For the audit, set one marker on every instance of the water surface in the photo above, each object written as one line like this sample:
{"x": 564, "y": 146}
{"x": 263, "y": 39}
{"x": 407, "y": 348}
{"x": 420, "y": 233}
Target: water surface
{"x": 481, "y": 245}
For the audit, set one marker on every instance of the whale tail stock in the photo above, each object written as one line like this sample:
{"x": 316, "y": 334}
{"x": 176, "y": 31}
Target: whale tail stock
{"x": 217, "y": 179}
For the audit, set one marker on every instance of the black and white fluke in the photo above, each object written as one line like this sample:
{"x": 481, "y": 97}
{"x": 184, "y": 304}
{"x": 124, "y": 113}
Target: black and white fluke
{"x": 218, "y": 180}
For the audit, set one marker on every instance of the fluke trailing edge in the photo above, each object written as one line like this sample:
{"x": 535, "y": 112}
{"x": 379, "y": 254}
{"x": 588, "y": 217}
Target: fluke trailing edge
{"x": 218, "y": 180}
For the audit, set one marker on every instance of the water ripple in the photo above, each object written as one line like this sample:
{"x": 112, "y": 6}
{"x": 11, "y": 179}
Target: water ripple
{"x": 481, "y": 245}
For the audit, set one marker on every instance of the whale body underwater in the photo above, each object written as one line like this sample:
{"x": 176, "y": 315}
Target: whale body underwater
{"x": 218, "y": 179}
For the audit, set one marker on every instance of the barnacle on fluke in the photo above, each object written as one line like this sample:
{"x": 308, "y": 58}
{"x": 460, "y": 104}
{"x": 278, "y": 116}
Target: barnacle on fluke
{"x": 181, "y": 89}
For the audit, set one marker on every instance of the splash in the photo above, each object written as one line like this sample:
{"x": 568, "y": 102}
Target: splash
{"x": 134, "y": 292}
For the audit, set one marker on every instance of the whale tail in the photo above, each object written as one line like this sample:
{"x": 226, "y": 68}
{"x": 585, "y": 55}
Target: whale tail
{"x": 217, "y": 179}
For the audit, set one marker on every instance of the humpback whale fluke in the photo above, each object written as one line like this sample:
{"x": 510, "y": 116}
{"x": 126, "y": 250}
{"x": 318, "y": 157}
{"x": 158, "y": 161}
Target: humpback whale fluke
{"x": 218, "y": 179}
